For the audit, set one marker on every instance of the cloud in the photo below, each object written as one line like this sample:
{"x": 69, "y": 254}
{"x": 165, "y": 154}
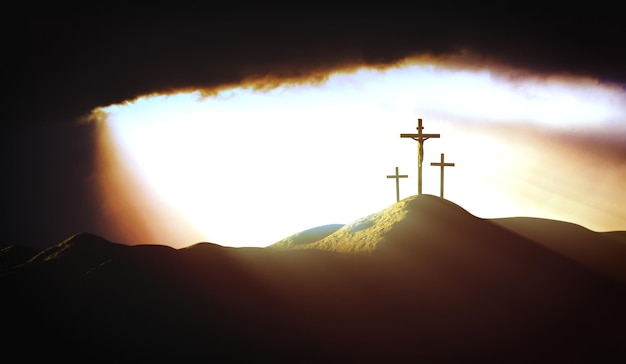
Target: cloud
{"x": 65, "y": 65}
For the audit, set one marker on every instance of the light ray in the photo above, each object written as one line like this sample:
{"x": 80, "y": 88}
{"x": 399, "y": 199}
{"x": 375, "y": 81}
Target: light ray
{"x": 248, "y": 168}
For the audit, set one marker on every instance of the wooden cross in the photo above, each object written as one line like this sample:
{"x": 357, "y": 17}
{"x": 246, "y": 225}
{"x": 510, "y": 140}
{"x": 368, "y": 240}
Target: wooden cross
{"x": 397, "y": 177}
{"x": 442, "y": 165}
{"x": 420, "y": 138}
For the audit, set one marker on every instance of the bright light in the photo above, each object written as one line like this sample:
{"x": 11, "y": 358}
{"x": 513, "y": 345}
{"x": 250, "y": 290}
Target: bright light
{"x": 250, "y": 168}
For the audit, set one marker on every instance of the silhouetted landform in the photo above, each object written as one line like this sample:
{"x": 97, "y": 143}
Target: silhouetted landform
{"x": 601, "y": 252}
{"x": 421, "y": 281}
{"x": 616, "y": 235}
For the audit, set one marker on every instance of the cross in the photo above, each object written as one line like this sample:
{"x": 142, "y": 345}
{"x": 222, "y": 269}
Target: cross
{"x": 441, "y": 165}
{"x": 397, "y": 177}
{"x": 420, "y": 138}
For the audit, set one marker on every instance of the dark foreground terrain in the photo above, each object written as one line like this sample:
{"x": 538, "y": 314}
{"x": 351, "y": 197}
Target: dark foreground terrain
{"x": 423, "y": 281}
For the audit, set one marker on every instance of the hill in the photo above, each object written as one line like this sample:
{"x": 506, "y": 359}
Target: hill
{"x": 421, "y": 281}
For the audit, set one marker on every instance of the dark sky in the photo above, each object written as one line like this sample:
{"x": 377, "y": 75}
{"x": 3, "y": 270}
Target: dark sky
{"x": 60, "y": 64}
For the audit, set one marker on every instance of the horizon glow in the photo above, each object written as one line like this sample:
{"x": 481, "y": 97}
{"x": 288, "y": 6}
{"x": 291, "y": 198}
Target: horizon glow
{"x": 248, "y": 168}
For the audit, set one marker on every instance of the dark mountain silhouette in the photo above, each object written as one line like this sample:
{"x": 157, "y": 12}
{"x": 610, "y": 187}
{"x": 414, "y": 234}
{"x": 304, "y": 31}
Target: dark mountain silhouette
{"x": 616, "y": 235}
{"x": 602, "y": 252}
{"x": 421, "y": 281}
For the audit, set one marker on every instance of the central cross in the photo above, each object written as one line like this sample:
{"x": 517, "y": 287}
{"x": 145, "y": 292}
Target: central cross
{"x": 420, "y": 138}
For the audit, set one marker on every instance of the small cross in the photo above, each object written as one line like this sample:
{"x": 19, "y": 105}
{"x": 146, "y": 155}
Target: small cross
{"x": 397, "y": 177}
{"x": 441, "y": 164}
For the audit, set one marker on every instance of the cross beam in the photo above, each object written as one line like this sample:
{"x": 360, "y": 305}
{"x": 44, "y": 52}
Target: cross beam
{"x": 397, "y": 177}
{"x": 442, "y": 165}
{"x": 420, "y": 138}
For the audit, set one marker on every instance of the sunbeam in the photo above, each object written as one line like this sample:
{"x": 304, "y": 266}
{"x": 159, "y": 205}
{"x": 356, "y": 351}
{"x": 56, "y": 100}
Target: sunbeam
{"x": 248, "y": 168}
